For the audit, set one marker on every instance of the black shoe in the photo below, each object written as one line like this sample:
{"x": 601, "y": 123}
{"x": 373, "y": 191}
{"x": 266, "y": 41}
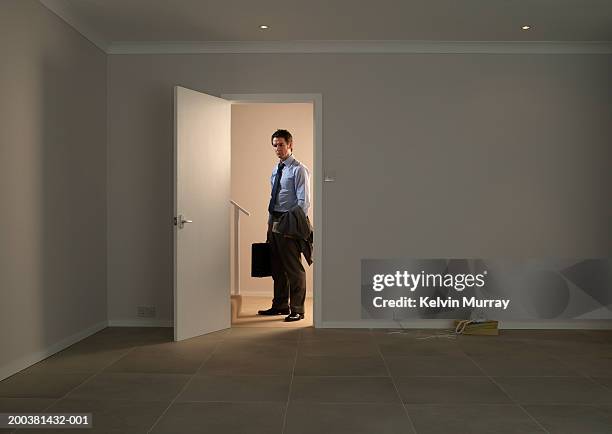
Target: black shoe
{"x": 273, "y": 311}
{"x": 294, "y": 316}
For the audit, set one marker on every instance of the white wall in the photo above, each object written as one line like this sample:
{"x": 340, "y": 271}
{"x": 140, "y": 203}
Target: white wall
{"x": 435, "y": 155}
{"x": 52, "y": 185}
{"x": 253, "y": 159}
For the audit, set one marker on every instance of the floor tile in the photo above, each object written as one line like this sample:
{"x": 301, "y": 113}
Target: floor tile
{"x": 471, "y": 419}
{"x": 371, "y": 366}
{"x": 40, "y": 385}
{"x": 237, "y": 389}
{"x": 109, "y": 416}
{"x": 359, "y": 335}
{"x": 536, "y": 365}
{"x": 222, "y": 418}
{"x": 125, "y": 338}
{"x": 264, "y": 334}
{"x": 548, "y": 335}
{"x": 247, "y": 348}
{"x": 440, "y": 365}
{"x": 604, "y": 381}
{"x": 309, "y": 418}
{"x": 230, "y": 364}
{"x": 450, "y": 390}
{"x": 564, "y": 348}
{"x": 198, "y": 345}
{"x": 343, "y": 389}
{"x": 131, "y": 387}
{"x": 489, "y": 346}
{"x": 218, "y": 336}
{"x": 592, "y": 366}
{"x": 572, "y": 419}
{"x": 338, "y": 348}
{"x": 415, "y": 347}
{"x": 74, "y": 360}
{"x": 599, "y": 335}
{"x": 551, "y": 390}
{"x": 25, "y": 405}
{"x": 167, "y": 360}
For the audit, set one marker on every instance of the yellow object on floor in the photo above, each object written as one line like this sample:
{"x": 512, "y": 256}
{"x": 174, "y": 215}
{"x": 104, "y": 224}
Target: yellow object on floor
{"x": 486, "y": 328}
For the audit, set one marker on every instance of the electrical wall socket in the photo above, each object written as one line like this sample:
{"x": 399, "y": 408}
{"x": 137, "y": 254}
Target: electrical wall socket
{"x": 146, "y": 311}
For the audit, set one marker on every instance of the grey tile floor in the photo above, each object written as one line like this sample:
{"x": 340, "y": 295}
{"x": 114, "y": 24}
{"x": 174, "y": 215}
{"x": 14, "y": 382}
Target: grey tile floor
{"x": 290, "y": 381}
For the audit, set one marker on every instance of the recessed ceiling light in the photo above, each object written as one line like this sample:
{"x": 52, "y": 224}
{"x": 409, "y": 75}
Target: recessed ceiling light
{"x": 526, "y": 27}
{"x": 263, "y": 27}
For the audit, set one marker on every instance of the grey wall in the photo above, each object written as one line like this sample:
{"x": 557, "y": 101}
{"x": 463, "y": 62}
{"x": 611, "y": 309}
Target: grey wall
{"x": 52, "y": 184}
{"x": 467, "y": 155}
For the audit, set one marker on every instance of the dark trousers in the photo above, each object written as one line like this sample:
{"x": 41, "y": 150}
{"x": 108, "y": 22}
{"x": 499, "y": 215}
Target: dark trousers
{"x": 287, "y": 272}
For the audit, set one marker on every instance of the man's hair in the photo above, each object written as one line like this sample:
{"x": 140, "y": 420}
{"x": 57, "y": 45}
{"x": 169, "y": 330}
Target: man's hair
{"x": 282, "y": 134}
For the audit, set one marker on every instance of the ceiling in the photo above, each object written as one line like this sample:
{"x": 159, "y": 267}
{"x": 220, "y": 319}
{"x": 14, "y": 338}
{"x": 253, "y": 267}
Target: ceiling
{"x": 113, "y": 22}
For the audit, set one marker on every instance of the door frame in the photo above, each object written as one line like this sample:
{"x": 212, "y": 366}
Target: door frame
{"x": 316, "y": 99}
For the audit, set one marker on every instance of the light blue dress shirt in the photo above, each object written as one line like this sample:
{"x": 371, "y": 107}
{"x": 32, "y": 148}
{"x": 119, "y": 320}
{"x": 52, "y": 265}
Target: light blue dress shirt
{"x": 294, "y": 186}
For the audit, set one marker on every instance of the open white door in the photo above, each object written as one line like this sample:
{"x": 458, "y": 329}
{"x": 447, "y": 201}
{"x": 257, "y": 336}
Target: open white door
{"x": 202, "y": 151}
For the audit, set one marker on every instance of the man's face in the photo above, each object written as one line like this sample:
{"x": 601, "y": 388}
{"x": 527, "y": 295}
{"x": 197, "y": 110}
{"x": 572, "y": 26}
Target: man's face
{"x": 282, "y": 148}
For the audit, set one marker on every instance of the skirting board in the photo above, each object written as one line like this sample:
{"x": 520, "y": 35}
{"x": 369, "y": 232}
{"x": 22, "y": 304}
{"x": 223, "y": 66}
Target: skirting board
{"x": 25, "y": 362}
{"x": 447, "y": 324}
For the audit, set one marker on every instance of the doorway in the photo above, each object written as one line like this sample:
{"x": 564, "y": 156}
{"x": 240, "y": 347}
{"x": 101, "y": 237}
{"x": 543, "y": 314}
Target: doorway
{"x": 202, "y": 166}
{"x": 252, "y": 160}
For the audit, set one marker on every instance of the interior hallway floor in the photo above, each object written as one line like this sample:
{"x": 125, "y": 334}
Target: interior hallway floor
{"x": 251, "y": 304}
{"x": 297, "y": 381}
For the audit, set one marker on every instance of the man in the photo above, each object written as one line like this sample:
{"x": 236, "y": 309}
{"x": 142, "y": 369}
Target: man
{"x": 290, "y": 189}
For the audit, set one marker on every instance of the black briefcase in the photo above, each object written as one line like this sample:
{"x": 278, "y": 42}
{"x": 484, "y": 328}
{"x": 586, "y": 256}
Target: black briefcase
{"x": 261, "y": 263}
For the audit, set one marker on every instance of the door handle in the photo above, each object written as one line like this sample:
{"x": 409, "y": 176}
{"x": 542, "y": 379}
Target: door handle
{"x": 180, "y": 221}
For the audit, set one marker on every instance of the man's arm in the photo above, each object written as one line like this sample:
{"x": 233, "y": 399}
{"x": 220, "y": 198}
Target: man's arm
{"x": 302, "y": 188}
